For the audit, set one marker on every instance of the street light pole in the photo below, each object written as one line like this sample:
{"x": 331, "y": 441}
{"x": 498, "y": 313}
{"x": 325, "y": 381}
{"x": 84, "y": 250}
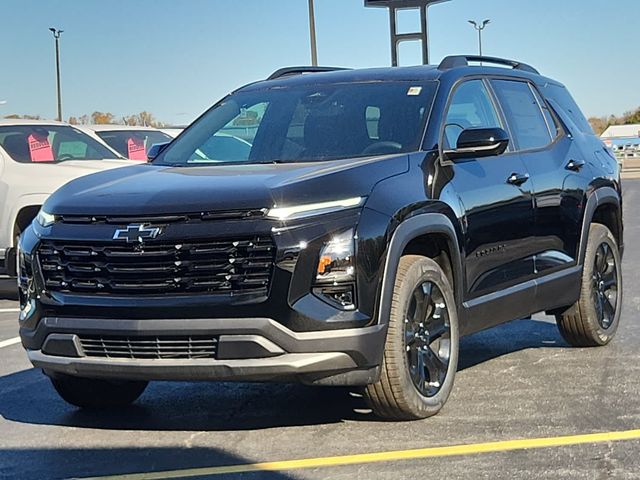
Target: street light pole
{"x": 56, "y": 35}
{"x": 480, "y": 27}
{"x": 312, "y": 33}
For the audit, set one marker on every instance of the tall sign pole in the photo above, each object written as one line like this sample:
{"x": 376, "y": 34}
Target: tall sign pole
{"x": 312, "y": 33}
{"x": 56, "y": 35}
{"x": 397, "y": 38}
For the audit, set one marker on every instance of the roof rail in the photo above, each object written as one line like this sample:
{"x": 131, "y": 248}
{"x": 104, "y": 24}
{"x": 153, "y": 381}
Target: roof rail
{"x": 288, "y": 71}
{"x": 455, "y": 61}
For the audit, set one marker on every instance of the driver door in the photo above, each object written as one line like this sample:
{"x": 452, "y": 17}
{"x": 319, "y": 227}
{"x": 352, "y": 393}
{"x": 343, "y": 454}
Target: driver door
{"x": 497, "y": 212}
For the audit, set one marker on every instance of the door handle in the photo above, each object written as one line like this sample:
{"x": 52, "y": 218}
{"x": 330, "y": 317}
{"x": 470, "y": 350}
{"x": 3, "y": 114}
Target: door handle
{"x": 518, "y": 179}
{"x": 575, "y": 165}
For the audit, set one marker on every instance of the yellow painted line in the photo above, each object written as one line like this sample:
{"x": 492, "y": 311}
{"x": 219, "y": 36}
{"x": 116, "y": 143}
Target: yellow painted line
{"x": 434, "y": 452}
{"x": 9, "y": 310}
{"x": 8, "y": 343}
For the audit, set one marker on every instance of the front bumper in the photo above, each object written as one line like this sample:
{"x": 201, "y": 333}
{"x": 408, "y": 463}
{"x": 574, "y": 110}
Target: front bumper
{"x": 249, "y": 349}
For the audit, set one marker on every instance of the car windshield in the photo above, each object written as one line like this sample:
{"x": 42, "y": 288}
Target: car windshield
{"x": 50, "y": 144}
{"x": 133, "y": 144}
{"x": 307, "y": 123}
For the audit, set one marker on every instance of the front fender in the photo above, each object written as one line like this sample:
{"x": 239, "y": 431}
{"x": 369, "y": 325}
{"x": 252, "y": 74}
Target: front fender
{"x": 413, "y": 227}
{"x": 9, "y": 220}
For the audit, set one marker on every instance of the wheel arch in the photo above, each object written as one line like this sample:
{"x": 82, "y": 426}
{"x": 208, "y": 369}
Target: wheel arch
{"x": 428, "y": 234}
{"x": 24, "y": 218}
{"x": 604, "y": 206}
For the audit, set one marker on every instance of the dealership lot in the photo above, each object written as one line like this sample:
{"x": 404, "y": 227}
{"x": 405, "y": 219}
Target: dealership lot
{"x": 517, "y": 381}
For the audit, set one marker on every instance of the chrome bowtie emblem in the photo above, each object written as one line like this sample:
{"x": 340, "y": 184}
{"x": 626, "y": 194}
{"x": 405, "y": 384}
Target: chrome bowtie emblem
{"x": 136, "y": 233}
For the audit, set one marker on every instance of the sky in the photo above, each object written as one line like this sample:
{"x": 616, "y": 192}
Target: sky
{"x": 175, "y": 58}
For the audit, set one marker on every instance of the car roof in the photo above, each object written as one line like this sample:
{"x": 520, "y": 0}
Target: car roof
{"x": 421, "y": 73}
{"x": 23, "y": 121}
{"x": 111, "y": 127}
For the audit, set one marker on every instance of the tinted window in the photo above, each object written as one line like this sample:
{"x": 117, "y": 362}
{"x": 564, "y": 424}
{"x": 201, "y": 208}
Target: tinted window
{"x": 524, "y": 115}
{"x": 50, "y": 143}
{"x": 470, "y": 107}
{"x": 563, "y": 98}
{"x": 133, "y": 144}
{"x": 307, "y": 123}
{"x": 554, "y": 128}
{"x": 224, "y": 147}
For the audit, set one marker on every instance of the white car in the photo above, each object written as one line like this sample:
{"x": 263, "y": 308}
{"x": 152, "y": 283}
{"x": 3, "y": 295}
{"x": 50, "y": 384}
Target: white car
{"x": 173, "y": 132}
{"x": 36, "y": 158}
{"x": 129, "y": 141}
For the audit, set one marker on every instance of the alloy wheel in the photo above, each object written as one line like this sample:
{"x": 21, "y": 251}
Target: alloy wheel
{"x": 427, "y": 338}
{"x": 605, "y": 285}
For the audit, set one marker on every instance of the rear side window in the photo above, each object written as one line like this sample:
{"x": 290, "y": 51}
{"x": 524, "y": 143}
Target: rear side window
{"x": 554, "y": 128}
{"x": 563, "y": 98}
{"x": 50, "y": 144}
{"x": 527, "y": 122}
{"x": 133, "y": 144}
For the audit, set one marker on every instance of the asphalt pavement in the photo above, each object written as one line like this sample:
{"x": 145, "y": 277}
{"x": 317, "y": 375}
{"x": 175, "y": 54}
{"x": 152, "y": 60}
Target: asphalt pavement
{"x": 525, "y": 405}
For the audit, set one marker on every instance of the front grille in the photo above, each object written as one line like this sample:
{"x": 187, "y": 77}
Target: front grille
{"x": 233, "y": 266}
{"x": 150, "y": 347}
{"x": 164, "y": 219}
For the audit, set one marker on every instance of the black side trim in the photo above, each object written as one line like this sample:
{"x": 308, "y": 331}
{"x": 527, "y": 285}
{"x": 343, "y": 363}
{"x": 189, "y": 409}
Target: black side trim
{"x": 555, "y": 290}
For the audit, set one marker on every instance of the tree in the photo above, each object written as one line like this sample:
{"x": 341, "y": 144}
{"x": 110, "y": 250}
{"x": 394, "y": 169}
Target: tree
{"x": 101, "y": 118}
{"x": 599, "y": 124}
{"x": 632, "y": 117}
{"x": 143, "y": 118}
{"x": 15, "y": 116}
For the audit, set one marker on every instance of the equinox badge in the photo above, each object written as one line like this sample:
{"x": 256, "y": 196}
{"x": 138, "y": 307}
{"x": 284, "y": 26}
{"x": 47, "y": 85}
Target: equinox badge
{"x": 136, "y": 233}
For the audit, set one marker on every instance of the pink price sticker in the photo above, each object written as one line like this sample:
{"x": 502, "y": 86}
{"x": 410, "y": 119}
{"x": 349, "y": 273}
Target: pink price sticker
{"x": 39, "y": 148}
{"x": 136, "y": 150}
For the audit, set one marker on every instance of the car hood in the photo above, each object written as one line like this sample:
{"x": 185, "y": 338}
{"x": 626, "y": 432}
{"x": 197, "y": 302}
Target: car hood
{"x": 47, "y": 177}
{"x": 149, "y": 189}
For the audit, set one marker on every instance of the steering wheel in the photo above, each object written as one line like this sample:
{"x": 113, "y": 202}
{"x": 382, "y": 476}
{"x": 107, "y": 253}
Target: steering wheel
{"x": 381, "y": 148}
{"x": 65, "y": 156}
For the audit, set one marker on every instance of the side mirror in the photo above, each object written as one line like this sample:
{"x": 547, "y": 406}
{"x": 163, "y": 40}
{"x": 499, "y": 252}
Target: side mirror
{"x": 479, "y": 143}
{"x": 156, "y": 149}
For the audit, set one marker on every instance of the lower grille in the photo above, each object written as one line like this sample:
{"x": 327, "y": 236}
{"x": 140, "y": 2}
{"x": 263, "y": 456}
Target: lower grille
{"x": 225, "y": 266}
{"x": 142, "y": 348}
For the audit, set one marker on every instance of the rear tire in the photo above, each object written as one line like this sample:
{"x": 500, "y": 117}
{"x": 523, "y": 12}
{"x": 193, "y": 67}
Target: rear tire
{"x": 420, "y": 356}
{"x": 97, "y": 394}
{"x": 593, "y": 320}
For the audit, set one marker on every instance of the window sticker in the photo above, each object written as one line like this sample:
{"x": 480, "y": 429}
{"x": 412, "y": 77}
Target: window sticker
{"x": 136, "y": 150}
{"x": 40, "y": 148}
{"x": 414, "y": 91}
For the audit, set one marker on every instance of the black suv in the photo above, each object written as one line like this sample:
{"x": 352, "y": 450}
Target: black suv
{"x": 333, "y": 227}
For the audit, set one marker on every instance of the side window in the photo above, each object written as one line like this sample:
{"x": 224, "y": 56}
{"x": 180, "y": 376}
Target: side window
{"x": 554, "y": 128}
{"x": 562, "y": 96}
{"x": 234, "y": 141}
{"x": 523, "y": 113}
{"x": 470, "y": 107}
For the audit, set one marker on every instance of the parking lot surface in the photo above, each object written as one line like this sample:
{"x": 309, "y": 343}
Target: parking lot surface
{"x": 518, "y": 381}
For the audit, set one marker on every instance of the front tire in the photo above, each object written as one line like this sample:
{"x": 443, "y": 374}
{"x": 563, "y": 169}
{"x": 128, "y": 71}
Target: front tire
{"x": 421, "y": 350}
{"x": 97, "y": 394}
{"x": 593, "y": 320}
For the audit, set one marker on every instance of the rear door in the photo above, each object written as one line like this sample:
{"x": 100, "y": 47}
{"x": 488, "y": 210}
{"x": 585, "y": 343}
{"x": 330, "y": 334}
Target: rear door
{"x": 559, "y": 174}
